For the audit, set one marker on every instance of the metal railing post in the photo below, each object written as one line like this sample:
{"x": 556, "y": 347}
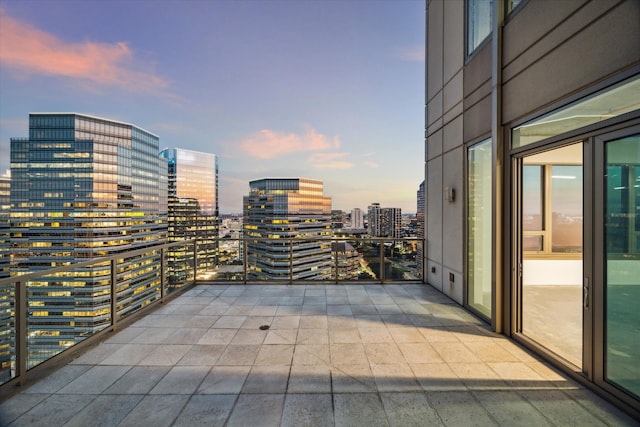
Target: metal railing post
{"x": 195, "y": 260}
{"x": 291, "y": 261}
{"x": 336, "y": 245}
{"x": 163, "y": 274}
{"x": 20, "y": 293}
{"x": 114, "y": 292}
{"x": 382, "y": 266}
{"x": 244, "y": 259}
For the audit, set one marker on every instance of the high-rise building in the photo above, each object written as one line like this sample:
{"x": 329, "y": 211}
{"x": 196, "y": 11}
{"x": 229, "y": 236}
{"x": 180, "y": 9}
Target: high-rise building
{"x": 84, "y": 187}
{"x": 6, "y": 291}
{"x": 533, "y": 177}
{"x": 277, "y": 210}
{"x": 384, "y": 222}
{"x": 357, "y": 218}
{"x": 373, "y": 219}
{"x": 5, "y": 209}
{"x": 192, "y": 211}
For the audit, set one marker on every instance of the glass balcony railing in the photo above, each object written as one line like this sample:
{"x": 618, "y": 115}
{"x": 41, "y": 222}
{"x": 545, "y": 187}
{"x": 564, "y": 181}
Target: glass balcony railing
{"x": 46, "y": 313}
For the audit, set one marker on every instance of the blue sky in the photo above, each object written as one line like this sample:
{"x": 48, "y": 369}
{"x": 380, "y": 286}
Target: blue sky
{"x": 327, "y": 89}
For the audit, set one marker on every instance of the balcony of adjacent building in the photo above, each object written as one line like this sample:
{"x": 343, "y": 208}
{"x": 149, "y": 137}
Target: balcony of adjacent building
{"x": 192, "y": 347}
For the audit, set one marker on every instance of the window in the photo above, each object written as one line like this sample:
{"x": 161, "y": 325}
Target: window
{"x": 478, "y": 22}
{"x": 479, "y": 227}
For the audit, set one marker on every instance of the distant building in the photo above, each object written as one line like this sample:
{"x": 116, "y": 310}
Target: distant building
{"x": 338, "y": 219}
{"x": 279, "y": 209}
{"x": 384, "y": 222}
{"x": 6, "y": 292}
{"x": 373, "y": 220}
{"x": 192, "y": 211}
{"x": 348, "y": 261}
{"x": 83, "y": 187}
{"x": 357, "y": 218}
{"x": 5, "y": 208}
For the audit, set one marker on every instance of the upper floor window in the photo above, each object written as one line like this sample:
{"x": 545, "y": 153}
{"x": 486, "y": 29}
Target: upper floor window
{"x": 478, "y": 22}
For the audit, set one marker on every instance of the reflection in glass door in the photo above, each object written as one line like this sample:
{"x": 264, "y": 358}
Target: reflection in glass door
{"x": 551, "y": 251}
{"x": 622, "y": 263}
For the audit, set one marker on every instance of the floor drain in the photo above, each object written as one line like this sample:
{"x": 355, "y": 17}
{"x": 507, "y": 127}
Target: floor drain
{"x": 264, "y": 327}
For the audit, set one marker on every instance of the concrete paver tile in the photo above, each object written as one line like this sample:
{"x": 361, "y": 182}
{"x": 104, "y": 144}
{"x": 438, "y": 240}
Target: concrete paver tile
{"x": 224, "y": 380}
{"x": 257, "y": 410}
{"x": 309, "y": 379}
{"x": 358, "y": 410}
{"x": 307, "y": 410}
{"x": 206, "y": 411}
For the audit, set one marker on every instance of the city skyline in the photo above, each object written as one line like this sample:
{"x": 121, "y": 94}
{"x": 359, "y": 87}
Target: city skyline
{"x": 332, "y": 91}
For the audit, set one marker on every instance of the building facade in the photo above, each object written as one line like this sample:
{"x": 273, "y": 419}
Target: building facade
{"x": 532, "y": 170}
{"x": 357, "y": 218}
{"x": 274, "y": 212}
{"x": 6, "y": 292}
{"x": 5, "y": 209}
{"x": 338, "y": 219}
{"x": 192, "y": 212}
{"x": 84, "y": 187}
{"x": 384, "y": 222}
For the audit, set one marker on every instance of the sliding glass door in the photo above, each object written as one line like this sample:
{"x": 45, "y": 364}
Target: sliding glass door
{"x": 551, "y": 251}
{"x": 621, "y": 259}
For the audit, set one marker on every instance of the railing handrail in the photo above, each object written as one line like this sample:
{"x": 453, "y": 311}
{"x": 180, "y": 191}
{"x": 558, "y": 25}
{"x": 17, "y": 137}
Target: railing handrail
{"x": 26, "y": 277}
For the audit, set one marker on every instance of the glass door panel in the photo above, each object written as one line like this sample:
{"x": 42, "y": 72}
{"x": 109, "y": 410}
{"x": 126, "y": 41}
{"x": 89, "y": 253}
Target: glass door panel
{"x": 551, "y": 257}
{"x": 622, "y": 259}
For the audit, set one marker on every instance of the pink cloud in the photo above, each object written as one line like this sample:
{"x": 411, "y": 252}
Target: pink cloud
{"x": 330, "y": 161}
{"x": 267, "y": 144}
{"x": 29, "y": 50}
{"x": 414, "y": 53}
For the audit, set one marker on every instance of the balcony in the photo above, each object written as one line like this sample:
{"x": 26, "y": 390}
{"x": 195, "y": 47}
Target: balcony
{"x": 303, "y": 353}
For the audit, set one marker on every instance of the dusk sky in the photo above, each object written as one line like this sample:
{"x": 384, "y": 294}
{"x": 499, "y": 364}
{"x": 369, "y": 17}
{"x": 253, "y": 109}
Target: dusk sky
{"x": 327, "y": 89}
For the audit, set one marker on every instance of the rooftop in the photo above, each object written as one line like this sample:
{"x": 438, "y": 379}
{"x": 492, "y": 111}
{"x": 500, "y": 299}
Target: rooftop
{"x": 344, "y": 355}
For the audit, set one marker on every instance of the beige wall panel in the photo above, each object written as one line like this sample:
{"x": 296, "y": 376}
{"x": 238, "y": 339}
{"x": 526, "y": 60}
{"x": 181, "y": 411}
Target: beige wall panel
{"x": 609, "y": 45}
{"x": 453, "y": 113}
{"x": 452, "y": 288}
{"x": 452, "y": 212}
{"x": 434, "y": 127}
{"x": 477, "y": 120}
{"x": 434, "y": 109}
{"x": 434, "y": 210}
{"x": 434, "y": 145}
{"x": 452, "y": 135}
{"x": 435, "y": 48}
{"x": 575, "y": 24}
{"x": 477, "y": 72}
{"x": 453, "y": 37}
{"x": 434, "y": 274}
{"x": 477, "y": 96}
{"x": 452, "y": 93}
{"x": 532, "y": 22}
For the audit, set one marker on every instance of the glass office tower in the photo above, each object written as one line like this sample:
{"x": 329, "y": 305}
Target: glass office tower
{"x": 193, "y": 211}
{"x": 277, "y": 210}
{"x": 6, "y": 292}
{"x": 83, "y": 187}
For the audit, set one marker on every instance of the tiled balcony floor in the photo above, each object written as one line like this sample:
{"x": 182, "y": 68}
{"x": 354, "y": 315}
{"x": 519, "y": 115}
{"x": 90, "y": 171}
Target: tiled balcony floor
{"x": 348, "y": 355}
